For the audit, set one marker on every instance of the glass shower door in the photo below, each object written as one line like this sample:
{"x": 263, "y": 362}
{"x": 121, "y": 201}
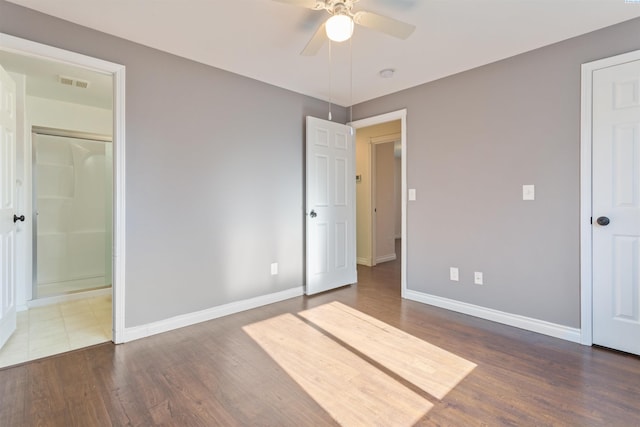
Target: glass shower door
{"x": 72, "y": 204}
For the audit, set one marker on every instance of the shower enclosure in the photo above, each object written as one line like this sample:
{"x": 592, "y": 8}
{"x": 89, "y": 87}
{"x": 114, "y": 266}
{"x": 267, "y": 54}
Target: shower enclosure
{"x": 72, "y": 211}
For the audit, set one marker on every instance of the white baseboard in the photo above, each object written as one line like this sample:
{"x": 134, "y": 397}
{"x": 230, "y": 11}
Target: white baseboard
{"x": 41, "y": 302}
{"x": 522, "y": 322}
{"x": 385, "y": 258}
{"x": 71, "y": 285}
{"x": 364, "y": 261}
{"x": 183, "y": 320}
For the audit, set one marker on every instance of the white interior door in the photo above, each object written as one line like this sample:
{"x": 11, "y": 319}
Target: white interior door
{"x": 7, "y": 206}
{"x": 330, "y": 206}
{"x": 616, "y": 207}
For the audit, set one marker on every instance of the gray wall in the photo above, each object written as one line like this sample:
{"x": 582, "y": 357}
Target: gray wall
{"x": 214, "y": 174}
{"x": 473, "y": 140}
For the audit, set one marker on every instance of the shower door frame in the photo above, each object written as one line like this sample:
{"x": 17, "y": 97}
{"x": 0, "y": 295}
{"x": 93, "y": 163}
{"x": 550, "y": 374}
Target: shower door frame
{"x": 64, "y": 133}
{"x": 117, "y": 72}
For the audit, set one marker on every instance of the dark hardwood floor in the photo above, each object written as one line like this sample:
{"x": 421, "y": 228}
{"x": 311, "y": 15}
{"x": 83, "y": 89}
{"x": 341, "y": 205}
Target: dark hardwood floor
{"x": 215, "y": 374}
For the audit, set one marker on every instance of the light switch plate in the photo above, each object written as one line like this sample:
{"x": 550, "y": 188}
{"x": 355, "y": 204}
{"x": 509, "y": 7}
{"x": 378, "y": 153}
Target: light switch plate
{"x": 412, "y": 194}
{"x": 528, "y": 192}
{"x": 454, "y": 274}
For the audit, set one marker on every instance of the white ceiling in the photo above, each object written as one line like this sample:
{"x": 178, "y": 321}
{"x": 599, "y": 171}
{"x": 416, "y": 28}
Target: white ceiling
{"x": 262, "y": 39}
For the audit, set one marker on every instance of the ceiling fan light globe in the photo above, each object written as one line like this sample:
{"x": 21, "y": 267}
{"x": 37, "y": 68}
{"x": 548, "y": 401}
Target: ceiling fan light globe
{"x": 339, "y": 28}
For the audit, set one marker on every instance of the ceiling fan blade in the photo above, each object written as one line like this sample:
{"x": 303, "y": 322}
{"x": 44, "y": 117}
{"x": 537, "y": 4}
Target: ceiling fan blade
{"x": 316, "y": 42}
{"x": 387, "y": 25}
{"x": 309, "y": 4}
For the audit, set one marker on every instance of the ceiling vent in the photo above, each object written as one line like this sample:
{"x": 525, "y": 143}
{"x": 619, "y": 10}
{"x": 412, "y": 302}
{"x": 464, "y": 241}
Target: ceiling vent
{"x": 65, "y": 80}
{"x": 73, "y": 81}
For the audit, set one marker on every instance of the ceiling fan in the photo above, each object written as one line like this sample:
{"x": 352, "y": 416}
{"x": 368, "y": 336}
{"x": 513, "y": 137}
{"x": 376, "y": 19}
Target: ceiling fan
{"x": 339, "y": 27}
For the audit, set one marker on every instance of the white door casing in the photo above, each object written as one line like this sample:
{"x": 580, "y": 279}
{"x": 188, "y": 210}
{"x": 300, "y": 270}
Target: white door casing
{"x": 330, "y": 206}
{"x": 616, "y": 198}
{"x": 7, "y": 206}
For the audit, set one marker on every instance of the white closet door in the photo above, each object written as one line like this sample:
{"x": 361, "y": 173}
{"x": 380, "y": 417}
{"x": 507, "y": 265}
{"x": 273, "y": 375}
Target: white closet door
{"x": 616, "y": 207}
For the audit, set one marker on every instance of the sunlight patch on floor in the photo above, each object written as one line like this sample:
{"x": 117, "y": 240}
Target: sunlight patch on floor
{"x": 352, "y": 390}
{"x": 427, "y": 366}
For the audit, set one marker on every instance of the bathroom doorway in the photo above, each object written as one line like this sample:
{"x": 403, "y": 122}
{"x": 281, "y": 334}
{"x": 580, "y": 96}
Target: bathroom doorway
{"x": 80, "y": 98}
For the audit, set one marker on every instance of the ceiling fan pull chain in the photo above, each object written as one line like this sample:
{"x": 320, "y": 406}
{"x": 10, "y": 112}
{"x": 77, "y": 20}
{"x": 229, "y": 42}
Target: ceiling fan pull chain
{"x": 330, "y": 78}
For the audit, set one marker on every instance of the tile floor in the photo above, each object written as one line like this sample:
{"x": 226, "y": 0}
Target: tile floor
{"x": 56, "y": 328}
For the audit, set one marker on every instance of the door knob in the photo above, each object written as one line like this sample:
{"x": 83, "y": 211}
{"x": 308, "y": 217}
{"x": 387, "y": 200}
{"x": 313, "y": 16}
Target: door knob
{"x": 313, "y": 214}
{"x": 603, "y": 220}
{"x": 17, "y": 218}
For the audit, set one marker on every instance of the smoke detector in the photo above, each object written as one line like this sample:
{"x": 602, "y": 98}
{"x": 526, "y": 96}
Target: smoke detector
{"x": 73, "y": 81}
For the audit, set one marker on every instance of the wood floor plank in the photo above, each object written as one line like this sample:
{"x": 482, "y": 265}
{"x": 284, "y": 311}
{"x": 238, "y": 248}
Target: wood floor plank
{"x": 13, "y": 396}
{"x": 354, "y": 392}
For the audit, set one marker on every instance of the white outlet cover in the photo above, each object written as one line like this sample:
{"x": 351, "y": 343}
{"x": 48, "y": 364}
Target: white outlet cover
{"x": 412, "y": 194}
{"x": 478, "y": 278}
{"x": 274, "y": 268}
{"x": 528, "y": 192}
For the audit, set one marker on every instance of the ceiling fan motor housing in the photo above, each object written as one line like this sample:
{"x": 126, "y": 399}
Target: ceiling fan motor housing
{"x": 339, "y": 7}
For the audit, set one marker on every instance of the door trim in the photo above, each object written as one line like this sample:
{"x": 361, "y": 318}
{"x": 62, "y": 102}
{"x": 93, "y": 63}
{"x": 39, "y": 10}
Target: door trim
{"x": 586, "y": 242}
{"x": 383, "y": 118}
{"x": 26, "y": 47}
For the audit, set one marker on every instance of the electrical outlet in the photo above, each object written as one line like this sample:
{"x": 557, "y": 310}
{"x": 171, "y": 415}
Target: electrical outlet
{"x": 478, "y": 278}
{"x": 454, "y": 274}
{"x": 274, "y": 268}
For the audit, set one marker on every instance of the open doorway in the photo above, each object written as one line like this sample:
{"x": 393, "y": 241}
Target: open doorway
{"x": 70, "y": 141}
{"x": 381, "y": 190}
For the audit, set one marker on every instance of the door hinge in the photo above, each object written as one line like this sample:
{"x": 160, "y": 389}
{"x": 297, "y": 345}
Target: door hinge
{"x": 591, "y": 220}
